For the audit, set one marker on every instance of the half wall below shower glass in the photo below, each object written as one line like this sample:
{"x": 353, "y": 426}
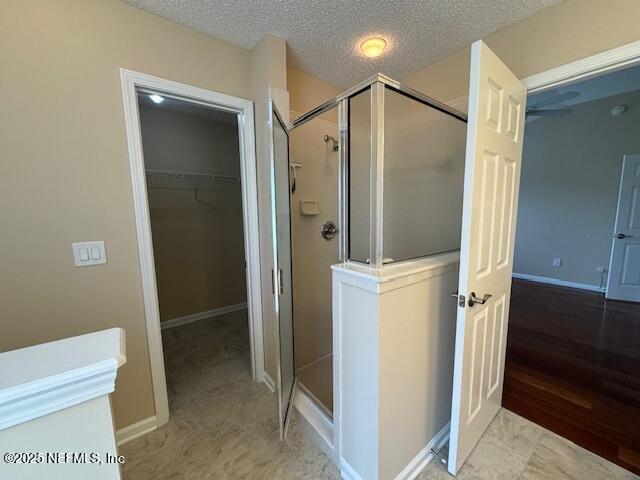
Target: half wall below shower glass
{"x": 314, "y": 167}
{"x": 406, "y": 173}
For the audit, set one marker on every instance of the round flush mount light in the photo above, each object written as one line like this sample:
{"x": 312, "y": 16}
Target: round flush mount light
{"x": 373, "y": 47}
{"x": 618, "y": 110}
{"x": 155, "y": 98}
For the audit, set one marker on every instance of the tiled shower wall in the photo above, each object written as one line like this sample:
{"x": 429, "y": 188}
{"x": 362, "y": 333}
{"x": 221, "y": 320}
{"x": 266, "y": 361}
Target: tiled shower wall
{"x": 312, "y": 254}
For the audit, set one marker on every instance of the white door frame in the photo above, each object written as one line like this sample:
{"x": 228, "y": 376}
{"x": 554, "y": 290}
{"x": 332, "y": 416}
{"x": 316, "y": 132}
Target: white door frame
{"x": 605, "y": 62}
{"x": 598, "y": 64}
{"x": 131, "y": 81}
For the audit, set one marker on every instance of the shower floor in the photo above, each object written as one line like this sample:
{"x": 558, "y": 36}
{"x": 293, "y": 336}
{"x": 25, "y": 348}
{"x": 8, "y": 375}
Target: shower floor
{"x": 317, "y": 381}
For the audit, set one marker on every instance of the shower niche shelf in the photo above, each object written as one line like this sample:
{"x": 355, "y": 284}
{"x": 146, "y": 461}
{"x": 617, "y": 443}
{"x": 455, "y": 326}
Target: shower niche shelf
{"x": 309, "y": 208}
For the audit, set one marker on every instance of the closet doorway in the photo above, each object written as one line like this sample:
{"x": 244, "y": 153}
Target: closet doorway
{"x": 193, "y": 173}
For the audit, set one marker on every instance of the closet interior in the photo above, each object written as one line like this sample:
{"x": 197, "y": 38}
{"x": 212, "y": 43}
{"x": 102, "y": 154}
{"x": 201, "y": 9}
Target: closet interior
{"x": 192, "y": 166}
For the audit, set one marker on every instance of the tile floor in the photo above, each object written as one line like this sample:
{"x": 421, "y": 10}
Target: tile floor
{"x": 515, "y": 448}
{"x": 223, "y": 426}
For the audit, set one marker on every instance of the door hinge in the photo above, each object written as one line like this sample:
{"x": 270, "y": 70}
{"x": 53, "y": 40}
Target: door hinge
{"x": 280, "y": 282}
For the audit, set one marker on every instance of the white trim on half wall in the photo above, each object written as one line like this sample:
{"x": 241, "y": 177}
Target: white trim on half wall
{"x": 216, "y": 312}
{"x": 557, "y": 281}
{"x": 243, "y": 108}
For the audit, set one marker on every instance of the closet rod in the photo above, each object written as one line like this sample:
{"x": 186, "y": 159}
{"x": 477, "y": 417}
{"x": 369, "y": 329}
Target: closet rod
{"x": 199, "y": 176}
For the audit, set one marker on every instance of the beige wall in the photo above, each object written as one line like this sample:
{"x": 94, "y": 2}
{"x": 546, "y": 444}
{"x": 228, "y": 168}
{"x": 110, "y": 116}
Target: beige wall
{"x": 198, "y": 249}
{"x": 569, "y": 189}
{"x": 555, "y": 36}
{"x": 307, "y": 92}
{"x": 65, "y": 167}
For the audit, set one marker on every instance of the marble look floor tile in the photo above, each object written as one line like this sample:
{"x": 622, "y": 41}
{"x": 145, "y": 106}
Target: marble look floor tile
{"x": 493, "y": 459}
{"x": 515, "y": 433}
{"x": 490, "y": 460}
{"x": 556, "y": 458}
{"x": 502, "y": 453}
{"x": 223, "y": 425}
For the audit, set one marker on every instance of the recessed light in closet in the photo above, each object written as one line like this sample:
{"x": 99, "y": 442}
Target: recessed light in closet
{"x": 156, "y": 98}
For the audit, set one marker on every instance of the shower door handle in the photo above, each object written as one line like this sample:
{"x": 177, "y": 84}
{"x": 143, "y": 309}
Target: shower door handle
{"x": 280, "y": 282}
{"x": 277, "y": 282}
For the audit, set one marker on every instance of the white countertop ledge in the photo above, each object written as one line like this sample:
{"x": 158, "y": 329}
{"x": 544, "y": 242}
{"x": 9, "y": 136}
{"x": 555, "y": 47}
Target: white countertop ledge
{"x": 42, "y": 379}
{"x": 394, "y": 275}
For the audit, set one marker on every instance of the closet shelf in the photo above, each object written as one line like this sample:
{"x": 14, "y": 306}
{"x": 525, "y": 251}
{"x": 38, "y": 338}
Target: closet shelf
{"x": 192, "y": 175}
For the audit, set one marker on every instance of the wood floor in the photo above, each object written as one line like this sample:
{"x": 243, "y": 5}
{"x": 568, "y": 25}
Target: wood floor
{"x": 573, "y": 367}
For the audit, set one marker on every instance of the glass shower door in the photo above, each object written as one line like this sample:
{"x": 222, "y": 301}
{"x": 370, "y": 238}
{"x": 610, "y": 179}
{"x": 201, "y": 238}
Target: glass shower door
{"x": 282, "y": 273}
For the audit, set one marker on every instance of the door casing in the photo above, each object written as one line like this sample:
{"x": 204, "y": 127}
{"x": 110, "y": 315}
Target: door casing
{"x": 132, "y": 81}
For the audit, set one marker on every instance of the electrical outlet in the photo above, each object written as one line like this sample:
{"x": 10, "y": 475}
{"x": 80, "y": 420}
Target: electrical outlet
{"x": 557, "y": 262}
{"x": 601, "y": 269}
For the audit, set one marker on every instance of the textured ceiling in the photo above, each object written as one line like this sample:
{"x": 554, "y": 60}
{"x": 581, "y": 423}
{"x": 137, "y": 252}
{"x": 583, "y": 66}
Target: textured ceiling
{"x": 323, "y": 36}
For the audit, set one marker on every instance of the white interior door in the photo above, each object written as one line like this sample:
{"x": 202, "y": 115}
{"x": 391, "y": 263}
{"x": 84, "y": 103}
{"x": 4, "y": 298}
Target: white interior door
{"x": 624, "y": 268}
{"x": 491, "y": 185}
{"x": 282, "y": 279}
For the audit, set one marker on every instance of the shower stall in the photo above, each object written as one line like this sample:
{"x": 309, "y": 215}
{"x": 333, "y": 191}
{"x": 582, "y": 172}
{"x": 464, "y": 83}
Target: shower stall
{"x": 375, "y": 177}
{"x": 372, "y": 241}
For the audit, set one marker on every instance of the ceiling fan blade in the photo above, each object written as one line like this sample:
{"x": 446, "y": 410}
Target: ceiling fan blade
{"x": 548, "y": 113}
{"x": 561, "y": 97}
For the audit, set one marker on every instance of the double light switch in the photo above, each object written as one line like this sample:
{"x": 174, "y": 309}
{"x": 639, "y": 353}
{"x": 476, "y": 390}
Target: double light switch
{"x": 89, "y": 253}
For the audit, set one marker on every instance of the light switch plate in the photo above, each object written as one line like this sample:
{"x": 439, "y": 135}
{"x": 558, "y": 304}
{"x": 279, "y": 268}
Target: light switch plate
{"x": 89, "y": 253}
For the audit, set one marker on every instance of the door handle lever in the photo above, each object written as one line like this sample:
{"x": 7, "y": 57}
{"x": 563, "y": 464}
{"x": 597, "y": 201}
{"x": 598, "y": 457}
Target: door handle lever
{"x": 620, "y": 236}
{"x": 475, "y": 300}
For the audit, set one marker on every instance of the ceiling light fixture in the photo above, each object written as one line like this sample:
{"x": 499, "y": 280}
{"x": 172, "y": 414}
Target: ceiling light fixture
{"x": 156, "y": 98}
{"x": 373, "y": 47}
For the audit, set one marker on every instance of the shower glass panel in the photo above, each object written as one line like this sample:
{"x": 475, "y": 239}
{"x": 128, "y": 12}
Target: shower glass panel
{"x": 314, "y": 166}
{"x": 359, "y": 175}
{"x": 405, "y": 167}
{"x": 283, "y": 263}
{"x": 423, "y": 178}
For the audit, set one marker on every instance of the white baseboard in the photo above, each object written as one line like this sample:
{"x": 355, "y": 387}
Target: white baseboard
{"x": 419, "y": 463}
{"x": 268, "y": 381}
{"x": 174, "y": 322}
{"x": 414, "y": 468}
{"x": 347, "y": 472}
{"x": 561, "y": 283}
{"x": 136, "y": 430}
{"x": 314, "y": 416}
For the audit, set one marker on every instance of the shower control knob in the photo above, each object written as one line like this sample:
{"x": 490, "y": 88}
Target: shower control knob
{"x": 328, "y": 230}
